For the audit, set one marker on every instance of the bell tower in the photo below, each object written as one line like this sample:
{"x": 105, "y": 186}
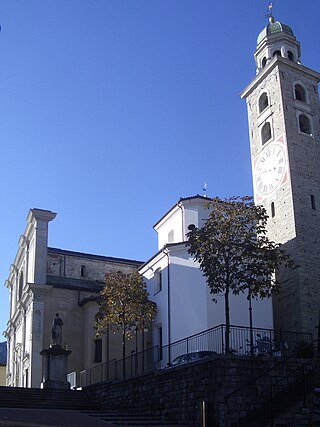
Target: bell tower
{"x": 284, "y": 128}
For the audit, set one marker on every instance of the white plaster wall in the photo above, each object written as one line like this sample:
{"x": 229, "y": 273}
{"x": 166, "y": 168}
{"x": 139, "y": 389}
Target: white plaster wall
{"x": 188, "y": 309}
{"x": 195, "y": 214}
{"x": 188, "y": 297}
{"x": 191, "y": 307}
{"x": 172, "y": 222}
{"x": 239, "y": 310}
{"x": 160, "y": 298}
{"x": 191, "y": 211}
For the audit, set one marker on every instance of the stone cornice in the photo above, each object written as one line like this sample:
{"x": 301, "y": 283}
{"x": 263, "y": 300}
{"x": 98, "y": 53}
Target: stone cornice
{"x": 8, "y": 284}
{"x": 40, "y": 215}
{"x": 39, "y": 291}
{"x": 277, "y": 60}
{"x": 33, "y": 217}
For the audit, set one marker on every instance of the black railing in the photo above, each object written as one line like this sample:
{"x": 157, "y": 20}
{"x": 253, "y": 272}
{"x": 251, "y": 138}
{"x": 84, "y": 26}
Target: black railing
{"x": 277, "y": 398}
{"x": 243, "y": 342}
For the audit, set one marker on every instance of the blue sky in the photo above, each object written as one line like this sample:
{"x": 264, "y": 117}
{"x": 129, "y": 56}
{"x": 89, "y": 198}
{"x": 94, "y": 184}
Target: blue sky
{"x": 113, "y": 109}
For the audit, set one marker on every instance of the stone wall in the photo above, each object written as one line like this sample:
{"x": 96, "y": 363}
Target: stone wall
{"x": 174, "y": 393}
{"x": 294, "y": 221}
{"x": 78, "y": 265}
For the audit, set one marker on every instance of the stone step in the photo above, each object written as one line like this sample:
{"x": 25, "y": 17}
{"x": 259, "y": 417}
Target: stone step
{"x": 17, "y": 397}
{"x": 127, "y": 420}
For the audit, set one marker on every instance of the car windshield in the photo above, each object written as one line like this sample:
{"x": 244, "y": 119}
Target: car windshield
{"x": 189, "y": 357}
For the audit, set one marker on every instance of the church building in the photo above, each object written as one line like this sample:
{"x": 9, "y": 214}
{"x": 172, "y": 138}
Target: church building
{"x": 44, "y": 281}
{"x": 284, "y": 129}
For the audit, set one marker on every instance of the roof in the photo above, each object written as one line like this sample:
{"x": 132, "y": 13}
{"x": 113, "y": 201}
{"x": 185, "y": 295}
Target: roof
{"x": 274, "y": 27}
{"x": 182, "y": 199}
{"x": 162, "y": 250}
{"x": 95, "y": 257}
{"x": 74, "y": 284}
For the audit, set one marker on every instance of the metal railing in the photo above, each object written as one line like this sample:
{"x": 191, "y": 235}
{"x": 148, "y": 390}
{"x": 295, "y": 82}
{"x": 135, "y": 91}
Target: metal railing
{"x": 275, "y": 399}
{"x": 288, "y": 391}
{"x": 243, "y": 342}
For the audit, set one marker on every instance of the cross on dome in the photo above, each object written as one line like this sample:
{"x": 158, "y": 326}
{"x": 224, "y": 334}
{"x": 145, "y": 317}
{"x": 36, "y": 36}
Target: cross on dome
{"x": 270, "y": 15}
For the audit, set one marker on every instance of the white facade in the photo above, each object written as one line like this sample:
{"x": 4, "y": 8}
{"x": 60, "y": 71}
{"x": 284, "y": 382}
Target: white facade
{"x": 176, "y": 284}
{"x": 44, "y": 281}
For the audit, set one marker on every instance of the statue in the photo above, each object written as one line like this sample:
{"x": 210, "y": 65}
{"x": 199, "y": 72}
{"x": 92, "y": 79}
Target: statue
{"x": 56, "y": 331}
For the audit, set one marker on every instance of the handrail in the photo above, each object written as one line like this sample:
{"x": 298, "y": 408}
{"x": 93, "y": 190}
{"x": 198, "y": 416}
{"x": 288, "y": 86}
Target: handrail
{"x": 272, "y": 404}
{"x": 278, "y": 363}
{"x": 291, "y": 374}
{"x": 212, "y": 339}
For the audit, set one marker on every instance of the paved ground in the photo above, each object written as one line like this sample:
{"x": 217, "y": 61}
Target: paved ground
{"x": 47, "y": 418}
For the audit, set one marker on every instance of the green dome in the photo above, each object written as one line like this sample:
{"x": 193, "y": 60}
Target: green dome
{"x": 274, "y": 27}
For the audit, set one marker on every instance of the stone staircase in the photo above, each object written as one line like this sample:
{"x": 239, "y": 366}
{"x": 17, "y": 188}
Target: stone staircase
{"x": 128, "y": 420}
{"x": 293, "y": 401}
{"x": 302, "y": 415}
{"x": 71, "y": 400}
{"x": 35, "y": 398}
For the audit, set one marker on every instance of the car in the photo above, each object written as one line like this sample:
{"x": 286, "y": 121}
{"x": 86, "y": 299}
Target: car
{"x": 191, "y": 357}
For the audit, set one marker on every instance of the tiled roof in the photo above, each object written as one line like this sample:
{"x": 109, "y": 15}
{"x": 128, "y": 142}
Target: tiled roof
{"x": 75, "y": 284}
{"x": 96, "y": 257}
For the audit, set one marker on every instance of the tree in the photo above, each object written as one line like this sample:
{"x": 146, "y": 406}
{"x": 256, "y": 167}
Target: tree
{"x": 124, "y": 303}
{"x": 234, "y": 252}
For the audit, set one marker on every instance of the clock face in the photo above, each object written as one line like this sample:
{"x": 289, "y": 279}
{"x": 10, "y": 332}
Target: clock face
{"x": 270, "y": 169}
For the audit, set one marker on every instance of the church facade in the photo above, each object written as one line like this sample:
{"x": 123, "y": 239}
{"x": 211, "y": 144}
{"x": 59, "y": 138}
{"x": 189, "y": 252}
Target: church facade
{"x": 284, "y": 128}
{"x": 43, "y": 282}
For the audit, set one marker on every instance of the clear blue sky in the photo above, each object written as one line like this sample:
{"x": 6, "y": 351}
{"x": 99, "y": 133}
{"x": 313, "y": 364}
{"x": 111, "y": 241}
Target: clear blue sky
{"x": 111, "y": 110}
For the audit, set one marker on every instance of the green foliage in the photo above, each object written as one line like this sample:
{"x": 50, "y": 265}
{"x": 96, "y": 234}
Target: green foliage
{"x": 234, "y": 252}
{"x": 124, "y": 303}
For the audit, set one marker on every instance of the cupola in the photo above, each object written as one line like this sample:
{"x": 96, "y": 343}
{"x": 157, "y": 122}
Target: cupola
{"x": 276, "y": 39}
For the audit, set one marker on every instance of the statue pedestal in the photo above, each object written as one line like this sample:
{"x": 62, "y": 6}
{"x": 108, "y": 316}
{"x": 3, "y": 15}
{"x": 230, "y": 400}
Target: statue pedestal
{"x": 55, "y": 367}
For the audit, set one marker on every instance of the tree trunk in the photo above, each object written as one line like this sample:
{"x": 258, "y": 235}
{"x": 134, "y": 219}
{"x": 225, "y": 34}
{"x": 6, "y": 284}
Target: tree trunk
{"x": 227, "y": 314}
{"x": 124, "y": 352}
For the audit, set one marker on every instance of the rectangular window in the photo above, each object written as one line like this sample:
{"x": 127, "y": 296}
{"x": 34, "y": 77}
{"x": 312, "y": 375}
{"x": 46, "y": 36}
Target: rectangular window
{"x": 273, "y": 210}
{"x": 158, "y": 282}
{"x": 313, "y": 202}
{"x": 98, "y": 350}
{"x": 171, "y": 237}
{"x": 82, "y": 271}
